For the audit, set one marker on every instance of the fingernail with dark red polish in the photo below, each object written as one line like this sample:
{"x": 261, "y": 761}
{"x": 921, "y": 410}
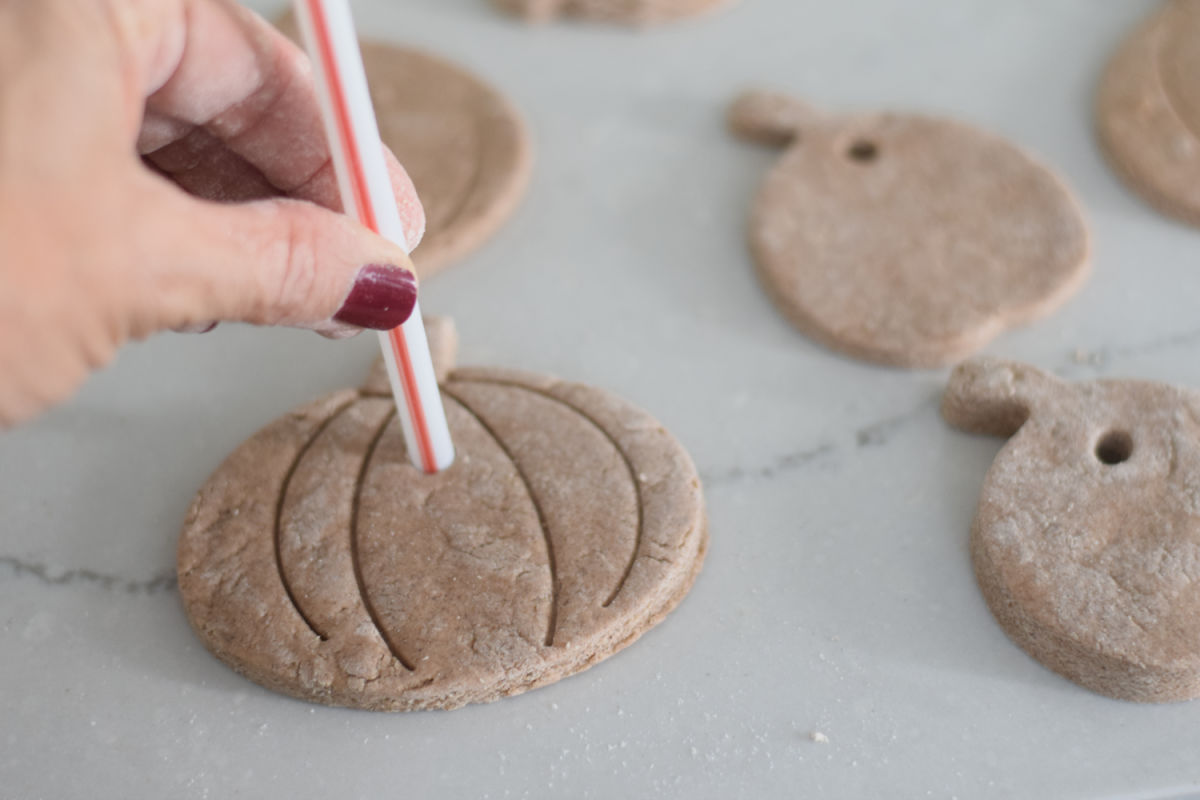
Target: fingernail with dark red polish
{"x": 208, "y": 328}
{"x": 382, "y": 298}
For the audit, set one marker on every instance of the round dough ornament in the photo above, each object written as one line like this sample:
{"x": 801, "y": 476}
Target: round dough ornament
{"x": 627, "y": 12}
{"x": 318, "y": 562}
{"x": 904, "y": 239}
{"x": 1086, "y": 543}
{"x": 463, "y": 144}
{"x": 1148, "y": 111}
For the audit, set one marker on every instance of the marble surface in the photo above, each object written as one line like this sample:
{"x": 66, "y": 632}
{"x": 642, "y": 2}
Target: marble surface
{"x": 837, "y": 598}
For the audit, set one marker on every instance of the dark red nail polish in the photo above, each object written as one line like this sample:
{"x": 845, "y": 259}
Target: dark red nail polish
{"x": 208, "y": 328}
{"x": 382, "y": 298}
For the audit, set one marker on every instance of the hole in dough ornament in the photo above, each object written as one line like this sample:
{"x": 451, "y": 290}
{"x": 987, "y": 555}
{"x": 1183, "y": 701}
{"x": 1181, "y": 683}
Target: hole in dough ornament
{"x": 628, "y": 12}
{"x": 462, "y": 143}
{"x": 1086, "y": 543}
{"x": 1148, "y": 111}
{"x": 903, "y": 239}
{"x": 319, "y": 563}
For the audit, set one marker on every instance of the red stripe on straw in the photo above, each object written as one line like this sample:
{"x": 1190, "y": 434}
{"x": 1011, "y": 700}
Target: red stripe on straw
{"x": 367, "y": 216}
{"x": 366, "y": 213}
{"x": 409, "y": 379}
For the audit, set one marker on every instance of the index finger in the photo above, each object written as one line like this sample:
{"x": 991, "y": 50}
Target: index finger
{"x": 252, "y": 89}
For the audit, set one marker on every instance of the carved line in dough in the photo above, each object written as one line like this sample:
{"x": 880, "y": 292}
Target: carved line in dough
{"x": 278, "y": 528}
{"x": 633, "y": 478}
{"x": 464, "y": 199}
{"x": 354, "y": 557}
{"x": 1159, "y": 53}
{"x": 537, "y": 507}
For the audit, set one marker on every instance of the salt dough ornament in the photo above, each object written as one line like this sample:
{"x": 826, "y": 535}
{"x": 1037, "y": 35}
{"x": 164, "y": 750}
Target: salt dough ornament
{"x": 1086, "y": 543}
{"x": 629, "y": 12}
{"x": 1148, "y": 112}
{"x": 463, "y": 144}
{"x": 903, "y": 239}
{"x": 318, "y": 562}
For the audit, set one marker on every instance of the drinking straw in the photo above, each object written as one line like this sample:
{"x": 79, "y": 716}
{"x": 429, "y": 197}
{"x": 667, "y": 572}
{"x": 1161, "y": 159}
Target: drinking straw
{"x": 366, "y": 191}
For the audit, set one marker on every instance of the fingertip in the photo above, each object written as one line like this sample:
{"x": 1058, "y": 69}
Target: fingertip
{"x": 412, "y": 217}
{"x": 283, "y": 262}
{"x": 340, "y": 333}
{"x": 412, "y": 213}
{"x": 382, "y": 297}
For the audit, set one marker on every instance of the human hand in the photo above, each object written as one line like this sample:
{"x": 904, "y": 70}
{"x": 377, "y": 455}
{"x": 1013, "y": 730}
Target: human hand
{"x": 163, "y": 166}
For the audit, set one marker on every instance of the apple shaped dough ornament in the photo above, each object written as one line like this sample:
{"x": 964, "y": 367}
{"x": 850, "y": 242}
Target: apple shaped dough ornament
{"x": 904, "y": 239}
{"x": 464, "y": 145}
{"x": 1148, "y": 112}
{"x": 1086, "y": 543}
{"x": 319, "y": 562}
{"x": 628, "y": 12}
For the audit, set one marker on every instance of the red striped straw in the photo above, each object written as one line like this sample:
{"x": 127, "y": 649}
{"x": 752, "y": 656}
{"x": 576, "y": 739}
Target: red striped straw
{"x": 366, "y": 191}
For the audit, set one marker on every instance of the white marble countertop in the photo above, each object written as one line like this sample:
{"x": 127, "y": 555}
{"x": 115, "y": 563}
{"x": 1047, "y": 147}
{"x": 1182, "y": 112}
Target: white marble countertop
{"x": 837, "y": 597}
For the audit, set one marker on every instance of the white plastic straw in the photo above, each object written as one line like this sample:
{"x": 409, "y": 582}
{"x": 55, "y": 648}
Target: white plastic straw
{"x": 366, "y": 190}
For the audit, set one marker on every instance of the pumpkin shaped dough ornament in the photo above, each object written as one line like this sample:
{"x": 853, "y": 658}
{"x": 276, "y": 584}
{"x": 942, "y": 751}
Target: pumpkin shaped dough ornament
{"x": 463, "y": 144}
{"x": 628, "y": 12}
{"x": 1086, "y": 543}
{"x": 903, "y": 239}
{"x": 320, "y": 563}
{"x": 1148, "y": 110}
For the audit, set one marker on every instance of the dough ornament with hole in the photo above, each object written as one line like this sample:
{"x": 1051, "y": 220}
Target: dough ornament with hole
{"x": 1086, "y": 543}
{"x": 903, "y": 239}
{"x": 628, "y": 12}
{"x": 463, "y": 144}
{"x": 1148, "y": 112}
{"x": 318, "y": 562}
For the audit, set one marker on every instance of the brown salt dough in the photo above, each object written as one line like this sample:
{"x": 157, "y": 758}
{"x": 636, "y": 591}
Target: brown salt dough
{"x": 904, "y": 239}
{"x": 628, "y": 12}
{"x": 1148, "y": 112}
{"x": 319, "y": 563}
{"x": 1086, "y": 543}
{"x": 463, "y": 144}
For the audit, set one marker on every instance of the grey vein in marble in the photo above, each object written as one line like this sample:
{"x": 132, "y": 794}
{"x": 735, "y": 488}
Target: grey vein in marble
{"x": 778, "y": 466}
{"x": 43, "y": 573}
{"x": 880, "y": 433}
{"x": 875, "y": 434}
{"x": 1100, "y": 360}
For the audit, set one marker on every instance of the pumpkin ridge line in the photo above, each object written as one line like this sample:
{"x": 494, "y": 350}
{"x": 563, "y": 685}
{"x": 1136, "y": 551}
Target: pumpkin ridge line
{"x": 464, "y": 198}
{"x": 552, "y": 624}
{"x": 354, "y": 557}
{"x": 277, "y": 533}
{"x": 633, "y": 478}
{"x": 1161, "y": 82}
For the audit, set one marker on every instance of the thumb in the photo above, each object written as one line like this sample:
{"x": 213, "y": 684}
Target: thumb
{"x": 270, "y": 262}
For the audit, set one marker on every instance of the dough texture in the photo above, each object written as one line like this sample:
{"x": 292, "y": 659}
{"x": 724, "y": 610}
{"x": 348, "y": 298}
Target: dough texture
{"x": 319, "y": 563}
{"x": 903, "y": 239}
{"x": 1086, "y": 543}
{"x": 1148, "y": 111}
